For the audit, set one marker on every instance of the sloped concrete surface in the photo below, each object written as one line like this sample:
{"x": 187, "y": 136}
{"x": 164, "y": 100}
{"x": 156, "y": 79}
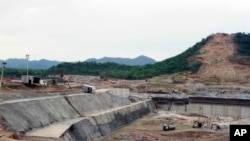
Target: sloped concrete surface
{"x": 27, "y": 115}
{"x": 110, "y": 120}
{"x": 88, "y": 104}
{"x": 84, "y": 130}
{"x": 55, "y": 130}
{"x": 71, "y": 117}
{"x": 103, "y": 123}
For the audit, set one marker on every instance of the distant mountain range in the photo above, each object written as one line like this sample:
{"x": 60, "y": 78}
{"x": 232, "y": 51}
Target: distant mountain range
{"x": 45, "y": 64}
{"x": 22, "y": 63}
{"x": 138, "y": 61}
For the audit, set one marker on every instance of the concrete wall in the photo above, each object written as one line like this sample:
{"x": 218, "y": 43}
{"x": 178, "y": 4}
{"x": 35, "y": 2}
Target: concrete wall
{"x": 26, "y": 115}
{"x": 109, "y": 121}
{"x": 120, "y": 92}
{"x": 104, "y": 123}
{"x": 104, "y": 113}
{"x": 235, "y": 111}
{"x": 88, "y": 104}
{"x": 84, "y": 130}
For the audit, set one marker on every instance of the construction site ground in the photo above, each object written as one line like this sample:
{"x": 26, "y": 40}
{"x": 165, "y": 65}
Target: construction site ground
{"x": 150, "y": 128}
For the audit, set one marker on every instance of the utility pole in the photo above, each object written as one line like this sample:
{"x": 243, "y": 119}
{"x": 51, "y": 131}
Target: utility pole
{"x": 27, "y": 58}
{"x": 3, "y": 65}
{"x": 146, "y": 86}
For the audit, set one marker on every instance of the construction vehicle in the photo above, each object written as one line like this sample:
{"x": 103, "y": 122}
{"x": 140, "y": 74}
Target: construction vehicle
{"x": 167, "y": 127}
{"x": 89, "y": 89}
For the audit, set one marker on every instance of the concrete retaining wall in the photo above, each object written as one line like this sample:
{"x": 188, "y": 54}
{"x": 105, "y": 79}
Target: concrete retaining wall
{"x": 120, "y": 92}
{"x": 104, "y": 123}
{"x": 84, "y": 130}
{"x": 88, "y": 104}
{"x": 235, "y": 111}
{"x": 109, "y": 121}
{"x": 26, "y": 115}
{"x": 102, "y": 114}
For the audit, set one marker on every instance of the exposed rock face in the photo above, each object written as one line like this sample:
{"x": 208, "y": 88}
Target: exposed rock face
{"x": 218, "y": 59}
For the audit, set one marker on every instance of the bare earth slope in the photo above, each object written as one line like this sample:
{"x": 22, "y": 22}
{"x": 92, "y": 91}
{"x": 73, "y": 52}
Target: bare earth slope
{"x": 215, "y": 57}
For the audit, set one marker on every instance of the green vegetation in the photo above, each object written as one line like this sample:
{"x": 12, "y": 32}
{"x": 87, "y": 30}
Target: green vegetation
{"x": 180, "y": 63}
{"x": 242, "y": 40}
{"x": 92, "y": 68}
{"x": 172, "y": 65}
{"x": 17, "y": 73}
{"x": 175, "y": 64}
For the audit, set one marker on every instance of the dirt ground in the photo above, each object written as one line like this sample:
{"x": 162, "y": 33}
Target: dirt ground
{"x": 150, "y": 128}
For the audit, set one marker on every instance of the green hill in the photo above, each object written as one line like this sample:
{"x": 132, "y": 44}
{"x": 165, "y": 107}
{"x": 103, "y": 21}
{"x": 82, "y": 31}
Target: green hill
{"x": 138, "y": 61}
{"x": 175, "y": 64}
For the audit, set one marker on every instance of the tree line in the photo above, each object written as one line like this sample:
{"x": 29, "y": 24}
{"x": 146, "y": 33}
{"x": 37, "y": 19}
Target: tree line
{"x": 175, "y": 64}
{"x": 242, "y": 40}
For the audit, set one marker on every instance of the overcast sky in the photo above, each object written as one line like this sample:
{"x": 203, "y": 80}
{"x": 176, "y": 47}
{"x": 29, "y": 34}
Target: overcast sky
{"x": 75, "y": 30}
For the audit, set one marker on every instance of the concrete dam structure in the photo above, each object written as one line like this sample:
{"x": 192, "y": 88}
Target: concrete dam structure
{"x": 72, "y": 117}
{"x": 213, "y": 106}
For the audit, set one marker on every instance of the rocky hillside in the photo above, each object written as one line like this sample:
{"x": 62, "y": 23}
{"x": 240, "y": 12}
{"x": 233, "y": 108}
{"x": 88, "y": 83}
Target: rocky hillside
{"x": 222, "y": 60}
